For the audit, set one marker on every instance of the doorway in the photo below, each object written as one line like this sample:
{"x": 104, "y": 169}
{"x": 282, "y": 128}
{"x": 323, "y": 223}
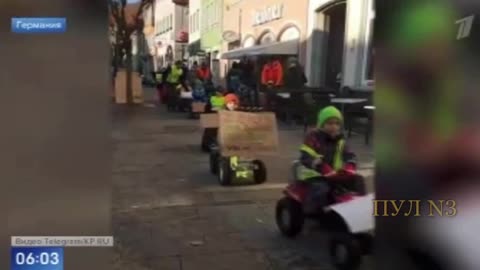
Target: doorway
{"x": 329, "y": 38}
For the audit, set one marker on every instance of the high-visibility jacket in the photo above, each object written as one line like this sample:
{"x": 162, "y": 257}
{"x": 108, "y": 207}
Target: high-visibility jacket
{"x": 332, "y": 153}
{"x": 272, "y": 74}
{"x": 217, "y": 102}
{"x": 175, "y": 74}
{"x": 159, "y": 77}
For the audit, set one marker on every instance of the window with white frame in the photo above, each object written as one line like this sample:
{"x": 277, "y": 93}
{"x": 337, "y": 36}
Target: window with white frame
{"x": 171, "y": 22}
{"x": 209, "y": 15}
{"x": 203, "y": 20}
{"x": 191, "y": 25}
{"x": 195, "y": 21}
{"x": 215, "y": 12}
{"x": 194, "y": 18}
{"x": 190, "y": 19}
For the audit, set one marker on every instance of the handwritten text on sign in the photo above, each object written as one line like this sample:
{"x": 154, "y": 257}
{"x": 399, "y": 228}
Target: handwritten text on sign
{"x": 246, "y": 134}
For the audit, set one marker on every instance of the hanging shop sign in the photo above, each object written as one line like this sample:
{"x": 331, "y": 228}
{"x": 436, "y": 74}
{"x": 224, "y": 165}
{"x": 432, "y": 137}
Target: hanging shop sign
{"x": 268, "y": 14}
{"x": 230, "y": 36}
{"x": 182, "y": 37}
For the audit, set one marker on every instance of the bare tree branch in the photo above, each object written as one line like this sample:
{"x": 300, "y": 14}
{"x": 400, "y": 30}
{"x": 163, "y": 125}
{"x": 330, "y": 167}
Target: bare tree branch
{"x": 143, "y": 5}
{"x": 113, "y": 6}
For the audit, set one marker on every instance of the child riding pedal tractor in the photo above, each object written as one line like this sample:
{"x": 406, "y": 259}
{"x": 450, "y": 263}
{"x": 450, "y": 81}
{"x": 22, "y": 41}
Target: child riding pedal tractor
{"x": 234, "y": 169}
{"x": 200, "y": 99}
{"x": 325, "y": 182}
{"x": 216, "y": 103}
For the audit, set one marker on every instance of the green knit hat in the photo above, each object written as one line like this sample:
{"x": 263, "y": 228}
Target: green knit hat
{"x": 327, "y": 113}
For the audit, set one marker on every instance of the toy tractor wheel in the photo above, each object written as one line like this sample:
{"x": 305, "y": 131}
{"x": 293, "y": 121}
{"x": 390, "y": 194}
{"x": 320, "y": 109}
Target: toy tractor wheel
{"x": 225, "y": 172}
{"x": 345, "y": 251}
{"x": 260, "y": 172}
{"x": 214, "y": 163}
{"x": 289, "y": 216}
{"x": 205, "y": 142}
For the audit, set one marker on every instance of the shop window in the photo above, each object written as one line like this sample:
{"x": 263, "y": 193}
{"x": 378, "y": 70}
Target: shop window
{"x": 369, "y": 64}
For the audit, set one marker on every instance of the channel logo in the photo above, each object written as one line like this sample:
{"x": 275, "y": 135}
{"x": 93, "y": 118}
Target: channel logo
{"x": 39, "y": 25}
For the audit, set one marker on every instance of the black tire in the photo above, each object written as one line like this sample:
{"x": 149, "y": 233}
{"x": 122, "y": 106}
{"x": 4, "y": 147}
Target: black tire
{"x": 224, "y": 171}
{"x": 205, "y": 142}
{"x": 214, "y": 162}
{"x": 424, "y": 261}
{"x": 294, "y": 225}
{"x": 345, "y": 251}
{"x": 260, "y": 172}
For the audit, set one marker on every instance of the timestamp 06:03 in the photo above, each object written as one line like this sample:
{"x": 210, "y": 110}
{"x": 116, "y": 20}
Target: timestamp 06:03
{"x": 36, "y": 258}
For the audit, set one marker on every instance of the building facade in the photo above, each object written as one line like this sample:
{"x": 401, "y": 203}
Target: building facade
{"x": 254, "y": 23}
{"x": 146, "y": 44}
{"x": 339, "y": 46}
{"x": 171, "y": 32}
{"x": 211, "y": 34}
{"x": 194, "y": 31}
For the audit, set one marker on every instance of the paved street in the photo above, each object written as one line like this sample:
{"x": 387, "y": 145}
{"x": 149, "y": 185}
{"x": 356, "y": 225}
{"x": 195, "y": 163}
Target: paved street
{"x": 169, "y": 212}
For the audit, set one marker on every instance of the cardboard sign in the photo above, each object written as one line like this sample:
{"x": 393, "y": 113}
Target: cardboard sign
{"x": 209, "y": 120}
{"x": 121, "y": 88}
{"x": 137, "y": 88}
{"x": 198, "y": 107}
{"x": 247, "y": 134}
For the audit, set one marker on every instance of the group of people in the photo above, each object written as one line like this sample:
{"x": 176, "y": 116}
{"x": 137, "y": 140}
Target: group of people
{"x": 324, "y": 153}
{"x": 178, "y": 79}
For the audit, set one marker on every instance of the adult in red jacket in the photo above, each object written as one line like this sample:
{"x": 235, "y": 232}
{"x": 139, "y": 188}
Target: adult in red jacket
{"x": 272, "y": 73}
{"x": 204, "y": 73}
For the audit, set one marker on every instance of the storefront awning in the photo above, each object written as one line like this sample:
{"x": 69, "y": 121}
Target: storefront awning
{"x": 275, "y": 48}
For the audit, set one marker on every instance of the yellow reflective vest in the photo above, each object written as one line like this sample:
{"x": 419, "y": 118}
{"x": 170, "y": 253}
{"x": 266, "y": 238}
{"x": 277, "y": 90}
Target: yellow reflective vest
{"x": 174, "y": 75}
{"x": 304, "y": 173}
{"x": 217, "y": 102}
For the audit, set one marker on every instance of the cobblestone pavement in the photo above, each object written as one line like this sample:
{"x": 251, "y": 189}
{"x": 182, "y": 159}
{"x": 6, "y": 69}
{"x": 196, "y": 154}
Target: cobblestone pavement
{"x": 169, "y": 213}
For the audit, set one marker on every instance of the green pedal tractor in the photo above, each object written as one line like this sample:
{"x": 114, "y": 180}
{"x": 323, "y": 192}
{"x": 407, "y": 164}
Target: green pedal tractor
{"x": 236, "y": 170}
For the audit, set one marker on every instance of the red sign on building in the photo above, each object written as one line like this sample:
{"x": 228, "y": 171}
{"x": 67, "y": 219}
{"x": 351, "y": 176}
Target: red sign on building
{"x": 182, "y": 37}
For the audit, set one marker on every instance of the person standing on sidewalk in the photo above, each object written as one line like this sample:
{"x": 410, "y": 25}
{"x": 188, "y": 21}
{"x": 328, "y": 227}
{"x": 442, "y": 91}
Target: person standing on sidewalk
{"x": 174, "y": 81}
{"x": 294, "y": 77}
{"x": 233, "y": 78}
{"x": 204, "y": 73}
